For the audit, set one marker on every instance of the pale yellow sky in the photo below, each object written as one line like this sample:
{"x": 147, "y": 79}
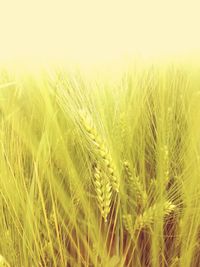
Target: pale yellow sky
{"x": 91, "y": 31}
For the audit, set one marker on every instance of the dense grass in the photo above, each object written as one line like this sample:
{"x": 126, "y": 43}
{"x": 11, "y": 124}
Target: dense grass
{"x": 100, "y": 172}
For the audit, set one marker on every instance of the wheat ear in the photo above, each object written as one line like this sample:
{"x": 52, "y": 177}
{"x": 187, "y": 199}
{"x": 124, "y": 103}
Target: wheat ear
{"x": 103, "y": 192}
{"x": 135, "y": 185}
{"x": 146, "y": 219}
{"x": 149, "y": 215}
{"x": 128, "y": 223}
{"x": 102, "y": 150}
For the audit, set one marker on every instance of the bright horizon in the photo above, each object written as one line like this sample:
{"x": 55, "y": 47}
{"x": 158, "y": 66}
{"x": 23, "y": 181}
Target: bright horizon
{"x": 94, "y": 32}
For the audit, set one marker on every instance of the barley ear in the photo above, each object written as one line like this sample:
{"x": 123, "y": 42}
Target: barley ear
{"x": 103, "y": 192}
{"x": 102, "y": 152}
{"x": 128, "y": 223}
{"x": 147, "y": 218}
{"x": 135, "y": 184}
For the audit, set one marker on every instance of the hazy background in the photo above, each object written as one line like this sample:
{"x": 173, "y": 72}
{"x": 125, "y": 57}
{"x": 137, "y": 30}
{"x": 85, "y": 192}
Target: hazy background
{"x": 92, "y": 32}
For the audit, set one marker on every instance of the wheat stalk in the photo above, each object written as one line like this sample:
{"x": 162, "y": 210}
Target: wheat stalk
{"x": 165, "y": 152}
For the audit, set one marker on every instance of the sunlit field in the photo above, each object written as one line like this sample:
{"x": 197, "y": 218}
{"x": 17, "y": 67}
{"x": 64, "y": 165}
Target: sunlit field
{"x": 100, "y": 171}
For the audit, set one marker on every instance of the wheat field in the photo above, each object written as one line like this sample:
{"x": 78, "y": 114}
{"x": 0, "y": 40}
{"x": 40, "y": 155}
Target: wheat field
{"x": 100, "y": 172}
